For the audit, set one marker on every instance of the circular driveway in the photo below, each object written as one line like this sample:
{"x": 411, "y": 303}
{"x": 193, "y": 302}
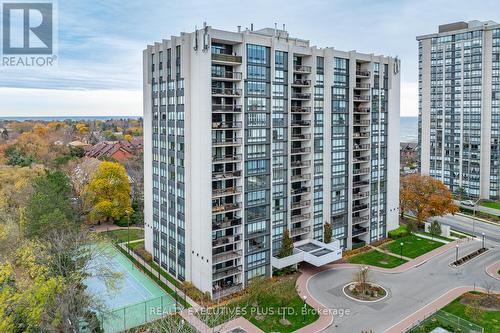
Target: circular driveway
{"x": 407, "y": 291}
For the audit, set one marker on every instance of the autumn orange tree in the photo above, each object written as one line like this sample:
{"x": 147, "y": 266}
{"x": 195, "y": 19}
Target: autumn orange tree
{"x": 424, "y": 197}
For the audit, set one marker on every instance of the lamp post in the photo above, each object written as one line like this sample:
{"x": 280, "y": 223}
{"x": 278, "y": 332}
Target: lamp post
{"x": 483, "y": 239}
{"x": 474, "y": 216}
{"x": 456, "y": 252}
{"x": 304, "y": 310}
{"x": 401, "y": 250}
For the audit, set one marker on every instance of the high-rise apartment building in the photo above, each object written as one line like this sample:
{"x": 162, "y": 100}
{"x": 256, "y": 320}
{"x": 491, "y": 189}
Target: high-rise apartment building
{"x": 252, "y": 134}
{"x": 459, "y": 107}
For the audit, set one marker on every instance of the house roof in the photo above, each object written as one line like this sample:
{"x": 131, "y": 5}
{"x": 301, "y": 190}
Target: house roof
{"x": 408, "y": 145}
{"x": 107, "y": 148}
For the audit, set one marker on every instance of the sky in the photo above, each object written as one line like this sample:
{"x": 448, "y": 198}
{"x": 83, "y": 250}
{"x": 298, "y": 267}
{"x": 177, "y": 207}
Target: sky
{"x": 100, "y": 44}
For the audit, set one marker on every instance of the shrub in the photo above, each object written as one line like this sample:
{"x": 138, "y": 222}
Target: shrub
{"x": 400, "y": 232}
{"x": 194, "y": 293}
{"x": 141, "y": 252}
{"x": 123, "y": 222}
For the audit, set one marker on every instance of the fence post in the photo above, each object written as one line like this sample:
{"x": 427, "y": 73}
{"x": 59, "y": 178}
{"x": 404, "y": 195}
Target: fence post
{"x": 124, "y": 320}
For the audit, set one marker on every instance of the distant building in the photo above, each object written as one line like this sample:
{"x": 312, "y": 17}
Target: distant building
{"x": 459, "y": 107}
{"x": 408, "y": 153}
{"x": 110, "y": 149}
{"x": 135, "y": 145}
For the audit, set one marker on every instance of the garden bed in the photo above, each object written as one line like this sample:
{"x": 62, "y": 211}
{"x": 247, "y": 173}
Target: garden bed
{"x": 469, "y": 257}
{"x": 365, "y": 292}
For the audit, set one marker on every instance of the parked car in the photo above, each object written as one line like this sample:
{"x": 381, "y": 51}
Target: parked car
{"x": 469, "y": 203}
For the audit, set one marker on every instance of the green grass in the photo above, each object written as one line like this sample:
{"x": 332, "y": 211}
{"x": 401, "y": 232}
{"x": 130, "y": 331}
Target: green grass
{"x": 155, "y": 278}
{"x": 491, "y": 204}
{"x": 135, "y": 245}
{"x": 458, "y": 235}
{"x": 269, "y": 304}
{"x": 490, "y": 320}
{"x": 436, "y": 236}
{"x": 121, "y": 235}
{"x": 376, "y": 258}
{"x": 413, "y": 246}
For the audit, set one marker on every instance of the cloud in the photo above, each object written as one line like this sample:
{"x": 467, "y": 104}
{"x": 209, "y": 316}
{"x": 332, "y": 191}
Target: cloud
{"x": 54, "y": 102}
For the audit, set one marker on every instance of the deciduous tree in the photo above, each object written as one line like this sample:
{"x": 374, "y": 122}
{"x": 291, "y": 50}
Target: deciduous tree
{"x": 424, "y": 197}
{"x": 108, "y": 193}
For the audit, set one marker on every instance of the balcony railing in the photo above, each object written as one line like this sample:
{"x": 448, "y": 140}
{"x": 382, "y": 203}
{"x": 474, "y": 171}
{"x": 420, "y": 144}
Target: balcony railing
{"x": 301, "y": 95}
{"x": 227, "y": 75}
{"x": 301, "y": 150}
{"x": 360, "y": 184}
{"x": 301, "y": 83}
{"x": 301, "y": 204}
{"x": 362, "y": 85}
{"x": 226, "y": 141}
{"x": 361, "y": 147}
{"x": 227, "y": 290}
{"x": 226, "y": 58}
{"x": 302, "y": 69}
{"x": 361, "y": 110}
{"x": 226, "y": 175}
{"x": 226, "y": 240}
{"x": 299, "y": 137}
{"x": 359, "y": 231}
{"x": 361, "y": 98}
{"x": 226, "y": 191}
{"x": 300, "y": 109}
{"x": 222, "y": 108}
{"x": 226, "y": 124}
{"x": 361, "y": 134}
{"x": 360, "y": 219}
{"x": 299, "y": 123}
{"x": 226, "y": 91}
{"x": 357, "y": 208}
{"x": 300, "y": 190}
{"x": 300, "y": 231}
{"x": 226, "y": 158}
{"x": 361, "y": 122}
{"x": 301, "y": 178}
{"x": 221, "y": 208}
{"x": 361, "y": 171}
{"x": 300, "y": 164}
{"x": 361, "y": 159}
{"x": 225, "y": 272}
{"x": 362, "y": 73}
{"x": 226, "y": 223}
{"x": 225, "y": 256}
{"x": 300, "y": 218}
{"x": 360, "y": 195}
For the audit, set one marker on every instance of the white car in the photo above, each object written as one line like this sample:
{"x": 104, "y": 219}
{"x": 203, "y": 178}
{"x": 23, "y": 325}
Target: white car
{"x": 469, "y": 203}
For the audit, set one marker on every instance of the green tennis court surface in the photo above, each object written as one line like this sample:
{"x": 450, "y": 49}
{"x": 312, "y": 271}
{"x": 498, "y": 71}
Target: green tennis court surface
{"x": 135, "y": 300}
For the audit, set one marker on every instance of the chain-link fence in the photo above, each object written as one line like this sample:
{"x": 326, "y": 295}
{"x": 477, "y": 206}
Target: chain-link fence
{"x": 447, "y": 321}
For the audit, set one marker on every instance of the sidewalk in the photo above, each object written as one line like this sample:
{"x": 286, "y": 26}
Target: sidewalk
{"x": 110, "y": 227}
{"x": 493, "y": 270}
{"x": 389, "y": 252}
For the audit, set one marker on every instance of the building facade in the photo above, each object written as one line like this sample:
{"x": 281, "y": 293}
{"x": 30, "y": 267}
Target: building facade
{"x": 252, "y": 134}
{"x": 459, "y": 107}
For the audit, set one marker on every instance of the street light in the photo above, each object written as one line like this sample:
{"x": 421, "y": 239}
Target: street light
{"x": 304, "y": 311}
{"x": 401, "y": 252}
{"x": 456, "y": 252}
{"x": 483, "y": 239}
{"x": 474, "y": 216}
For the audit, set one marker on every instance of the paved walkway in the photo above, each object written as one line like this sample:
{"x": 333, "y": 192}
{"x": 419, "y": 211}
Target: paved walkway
{"x": 378, "y": 249}
{"x": 109, "y": 227}
{"x": 493, "y": 270}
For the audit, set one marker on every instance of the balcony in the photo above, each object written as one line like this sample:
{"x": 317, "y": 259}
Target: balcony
{"x": 301, "y": 137}
{"x": 222, "y": 125}
{"x": 226, "y": 141}
{"x": 358, "y": 147}
{"x": 226, "y": 59}
{"x": 361, "y": 159}
{"x": 227, "y": 290}
{"x": 226, "y": 76}
{"x": 301, "y": 150}
{"x": 301, "y": 204}
{"x": 300, "y": 218}
{"x": 301, "y": 123}
{"x": 362, "y": 73}
{"x": 362, "y": 171}
{"x": 299, "y": 231}
{"x": 300, "y": 164}
{"x": 225, "y": 256}
{"x": 220, "y": 192}
{"x": 361, "y": 110}
{"x": 362, "y": 86}
{"x": 226, "y": 223}
{"x": 222, "y": 108}
{"x": 300, "y": 109}
{"x": 228, "y": 158}
{"x": 302, "y": 69}
{"x": 360, "y": 195}
{"x": 226, "y": 92}
{"x": 301, "y": 96}
{"x": 301, "y": 83}
{"x": 225, "y": 272}
{"x": 358, "y": 231}
{"x": 361, "y": 135}
{"x": 361, "y": 123}
{"x": 358, "y": 208}
{"x": 226, "y": 175}
{"x": 361, "y": 98}
{"x": 360, "y": 219}
{"x": 360, "y": 184}
{"x": 301, "y": 178}
{"x": 224, "y": 208}
{"x": 300, "y": 190}
{"x": 224, "y": 240}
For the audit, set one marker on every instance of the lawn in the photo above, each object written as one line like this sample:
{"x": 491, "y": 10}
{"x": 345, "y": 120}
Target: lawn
{"x": 121, "y": 235}
{"x": 491, "y": 204}
{"x": 490, "y": 320}
{"x": 376, "y": 258}
{"x": 413, "y": 246}
{"x": 265, "y": 308}
{"x": 136, "y": 245}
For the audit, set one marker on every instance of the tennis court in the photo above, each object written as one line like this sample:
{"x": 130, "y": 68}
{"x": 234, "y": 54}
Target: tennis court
{"x": 135, "y": 300}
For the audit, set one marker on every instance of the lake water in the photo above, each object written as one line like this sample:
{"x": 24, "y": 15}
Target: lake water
{"x": 408, "y": 129}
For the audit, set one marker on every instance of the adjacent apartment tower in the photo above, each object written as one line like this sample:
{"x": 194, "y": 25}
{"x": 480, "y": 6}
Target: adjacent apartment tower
{"x": 253, "y": 134}
{"x": 459, "y": 107}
